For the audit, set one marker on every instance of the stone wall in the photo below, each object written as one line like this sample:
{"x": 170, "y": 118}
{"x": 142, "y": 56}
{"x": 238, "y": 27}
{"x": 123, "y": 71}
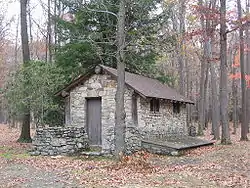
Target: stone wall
{"x": 155, "y": 125}
{"x": 59, "y": 141}
{"x": 164, "y": 123}
{"x": 104, "y": 86}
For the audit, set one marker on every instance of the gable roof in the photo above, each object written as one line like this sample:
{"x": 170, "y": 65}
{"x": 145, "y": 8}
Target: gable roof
{"x": 145, "y": 86}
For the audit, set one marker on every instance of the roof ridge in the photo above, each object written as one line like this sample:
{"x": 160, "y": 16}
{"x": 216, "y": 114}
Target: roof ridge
{"x": 143, "y": 85}
{"x": 129, "y": 72}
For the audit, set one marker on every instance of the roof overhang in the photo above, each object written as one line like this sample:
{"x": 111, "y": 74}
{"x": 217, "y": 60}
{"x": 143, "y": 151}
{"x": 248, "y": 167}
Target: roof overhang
{"x": 80, "y": 80}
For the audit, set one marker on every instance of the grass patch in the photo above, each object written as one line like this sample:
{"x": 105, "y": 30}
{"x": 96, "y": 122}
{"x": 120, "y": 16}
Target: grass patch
{"x": 22, "y": 156}
{"x": 6, "y": 155}
{"x": 10, "y": 153}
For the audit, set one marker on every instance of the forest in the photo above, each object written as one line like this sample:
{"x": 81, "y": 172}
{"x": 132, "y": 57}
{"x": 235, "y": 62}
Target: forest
{"x": 199, "y": 47}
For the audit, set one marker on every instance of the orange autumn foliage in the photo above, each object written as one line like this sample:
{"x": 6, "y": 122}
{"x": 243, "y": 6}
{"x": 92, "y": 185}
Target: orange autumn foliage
{"x": 238, "y": 75}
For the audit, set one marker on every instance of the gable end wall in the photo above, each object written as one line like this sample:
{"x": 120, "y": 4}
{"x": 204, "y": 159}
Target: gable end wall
{"x": 99, "y": 85}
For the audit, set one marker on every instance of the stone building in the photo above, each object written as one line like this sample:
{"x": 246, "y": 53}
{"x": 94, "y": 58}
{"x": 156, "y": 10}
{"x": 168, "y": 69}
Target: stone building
{"x": 152, "y": 108}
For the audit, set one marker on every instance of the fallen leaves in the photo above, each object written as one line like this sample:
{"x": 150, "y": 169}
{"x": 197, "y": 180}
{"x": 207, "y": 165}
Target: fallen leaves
{"x": 137, "y": 162}
{"x": 211, "y": 166}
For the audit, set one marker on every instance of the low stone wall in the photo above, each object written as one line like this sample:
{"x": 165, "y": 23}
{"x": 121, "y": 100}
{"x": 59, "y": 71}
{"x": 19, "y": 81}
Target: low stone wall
{"x": 133, "y": 140}
{"x": 59, "y": 141}
{"x": 136, "y": 135}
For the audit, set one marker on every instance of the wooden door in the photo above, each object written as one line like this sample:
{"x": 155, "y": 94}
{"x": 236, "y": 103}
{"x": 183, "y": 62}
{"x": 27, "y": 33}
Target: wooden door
{"x": 94, "y": 128}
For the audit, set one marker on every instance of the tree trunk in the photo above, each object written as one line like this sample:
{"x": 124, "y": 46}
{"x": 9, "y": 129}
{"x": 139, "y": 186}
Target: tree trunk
{"x": 25, "y": 134}
{"x": 182, "y": 13}
{"x": 188, "y": 108}
{"x": 55, "y": 24}
{"x": 202, "y": 82}
{"x": 244, "y": 127}
{"x": 16, "y": 45}
{"x": 49, "y": 33}
{"x": 215, "y": 102}
{"x": 120, "y": 115}
{"x": 248, "y": 67}
{"x": 30, "y": 28}
{"x": 225, "y": 138}
{"x": 197, "y": 106}
{"x": 235, "y": 101}
{"x": 206, "y": 98}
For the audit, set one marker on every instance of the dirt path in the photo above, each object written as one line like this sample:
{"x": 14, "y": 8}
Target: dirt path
{"x": 213, "y": 166}
{"x": 20, "y": 175}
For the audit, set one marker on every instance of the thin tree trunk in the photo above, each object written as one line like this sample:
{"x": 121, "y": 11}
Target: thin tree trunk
{"x": 55, "y": 26}
{"x": 234, "y": 98}
{"x": 120, "y": 115}
{"x": 197, "y": 106}
{"x": 225, "y": 138}
{"x": 248, "y": 67}
{"x": 215, "y": 102}
{"x": 16, "y": 45}
{"x": 206, "y": 99}
{"x": 244, "y": 127}
{"x": 181, "y": 63}
{"x": 25, "y": 133}
{"x": 202, "y": 82}
{"x": 30, "y": 28}
{"x": 49, "y": 33}
{"x": 188, "y": 109}
{"x": 12, "y": 124}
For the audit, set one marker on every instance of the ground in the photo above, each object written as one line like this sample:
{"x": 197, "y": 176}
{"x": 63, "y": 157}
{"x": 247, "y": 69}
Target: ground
{"x": 211, "y": 166}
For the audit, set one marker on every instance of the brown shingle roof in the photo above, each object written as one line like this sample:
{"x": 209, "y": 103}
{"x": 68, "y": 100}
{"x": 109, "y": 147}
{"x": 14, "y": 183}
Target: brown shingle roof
{"x": 144, "y": 86}
{"x": 149, "y": 87}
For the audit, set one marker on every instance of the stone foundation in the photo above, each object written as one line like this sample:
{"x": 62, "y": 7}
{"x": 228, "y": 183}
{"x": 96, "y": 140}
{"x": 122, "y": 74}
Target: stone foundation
{"x": 159, "y": 149}
{"x": 59, "y": 141}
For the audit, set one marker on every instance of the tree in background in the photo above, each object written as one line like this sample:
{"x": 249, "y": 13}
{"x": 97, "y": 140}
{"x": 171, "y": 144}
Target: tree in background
{"x": 225, "y": 138}
{"x": 244, "y": 126}
{"x": 89, "y": 36}
{"x": 6, "y": 57}
{"x": 43, "y": 79}
{"x": 248, "y": 65}
{"x": 25, "y": 134}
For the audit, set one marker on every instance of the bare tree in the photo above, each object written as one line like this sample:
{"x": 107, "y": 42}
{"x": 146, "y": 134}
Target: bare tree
{"x": 49, "y": 35}
{"x": 225, "y": 138}
{"x": 181, "y": 56}
{"x": 244, "y": 126}
{"x": 233, "y": 56}
{"x": 215, "y": 101}
{"x": 214, "y": 86}
{"x": 248, "y": 66}
{"x": 202, "y": 78}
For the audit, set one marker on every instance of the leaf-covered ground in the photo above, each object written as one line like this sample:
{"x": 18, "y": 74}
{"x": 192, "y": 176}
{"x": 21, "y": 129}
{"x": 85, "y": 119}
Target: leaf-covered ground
{"x": 212, "y": 166}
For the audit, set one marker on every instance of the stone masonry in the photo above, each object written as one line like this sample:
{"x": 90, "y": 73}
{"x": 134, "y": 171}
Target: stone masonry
{"x": 59, "y": 141}
{"x": 150, "y": 124}
{"x": 155, "y": 125}
{"x": 104, "y": 86}
{"x": 164, "y": 123}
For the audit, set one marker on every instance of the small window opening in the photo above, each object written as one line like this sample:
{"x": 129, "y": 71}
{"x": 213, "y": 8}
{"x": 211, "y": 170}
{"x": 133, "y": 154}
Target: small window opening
{"x": 176, "y": 108}
{"x": 154, "y": 105}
